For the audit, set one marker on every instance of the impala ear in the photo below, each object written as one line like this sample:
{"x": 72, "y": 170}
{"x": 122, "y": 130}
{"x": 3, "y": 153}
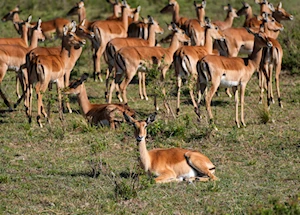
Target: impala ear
{"x": 39, "y": 23}
{"x": 82, "y": 22}
{"x": 138, "y": 9}
{"x": 128, "y": 119}
{"x": 195, "y": 3}
{"x": 150, "y": 19}
{"x": 84, "y": 77}
{"x": 65, "y": 30}
{"x": 279, "y": 6}
{"x": 73, "y": 26}
{"x": 271, "y": 7}
{"x": 203, "y": 4}
{"x": 29, "y": 19}
{"x": 151, "y": 118}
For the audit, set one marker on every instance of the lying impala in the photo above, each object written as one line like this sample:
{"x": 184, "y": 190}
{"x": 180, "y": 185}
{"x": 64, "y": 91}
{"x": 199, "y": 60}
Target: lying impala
{"x": 173, "y": 164}
{"x": 12, "y": 57}
{"x": 116, "y": 44}
{"x": 129, "y": 60}
{"x": 195, "y": 28}
{"x": 97, "y": 114}
{"x": 232, "y": 72}
{"x": 13, "y": 16}
{"x": 75, "y": 53}
{"x": 106, "y": 30}
{"x": 186, "y": 57}
{"x": 51, "y": 68}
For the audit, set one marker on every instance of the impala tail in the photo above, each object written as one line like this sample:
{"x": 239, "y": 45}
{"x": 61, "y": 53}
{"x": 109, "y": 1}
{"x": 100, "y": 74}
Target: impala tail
{"x": 97, "y": 39}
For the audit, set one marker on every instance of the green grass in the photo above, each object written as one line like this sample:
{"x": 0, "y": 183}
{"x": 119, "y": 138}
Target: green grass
{"x": 72, "y": 168}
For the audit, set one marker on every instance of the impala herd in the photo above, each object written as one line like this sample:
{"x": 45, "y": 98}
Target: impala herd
{"x": 202, "y": 51}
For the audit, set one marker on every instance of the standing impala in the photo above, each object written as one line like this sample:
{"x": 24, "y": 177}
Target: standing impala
{"x": 116, "y": 44}
{"x": 75, "y": 53}
{"x": 173, "y": 164}
{"x": 129, "y": 60}
{"x": 186, "y": 57}
{"x": 97, "y": 114}
{"x": 232, "y": 72}
{"x": 51, "y": 68}
{"x": 227, "y": 23}
{"x": 105, "y": 30}
{"x": 12, "y": 57}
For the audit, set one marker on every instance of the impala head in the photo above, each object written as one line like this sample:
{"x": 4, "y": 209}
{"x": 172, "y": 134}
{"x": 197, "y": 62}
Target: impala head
{"x": 76, "y": 9}
{"x": 179, "y": 33}
{"x": 232, "y": 12}
{"x": 154, "y": 24}
{"x": 169, "y": 8}
{"x": 261, "y": 38}
{"x": 76, "y": 86}
{"x": 214, "y": 30}
{"x": 10, "y": 15}
{"x": 24, "y": 25}
{"x": 36, "y": 31}
{"x": 265, "y": 6}
{"x": 202, "y": 5}
{"x": 82, "y": 31}
{"x": 281, "y": 14}
{"x": 70, "y": 39}
{"x": 271, "y": 23}
{"x": 244, "y": 10}
{"x": 117, "y": 6}
{"x": 140, "y": 127}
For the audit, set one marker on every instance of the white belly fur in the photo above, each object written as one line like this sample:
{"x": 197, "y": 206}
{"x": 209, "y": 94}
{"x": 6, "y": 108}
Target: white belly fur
{"x": 228, "y": 83}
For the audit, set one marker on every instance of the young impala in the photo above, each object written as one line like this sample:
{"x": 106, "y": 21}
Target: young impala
{"x": 232, "y": 72}
{"x": 97, "y": 114}
{"x": 173, "y": 164}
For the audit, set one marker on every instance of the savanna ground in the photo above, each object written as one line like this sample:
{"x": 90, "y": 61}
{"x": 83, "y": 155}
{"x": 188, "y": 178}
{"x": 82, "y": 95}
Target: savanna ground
{"x": 70, "y": 167}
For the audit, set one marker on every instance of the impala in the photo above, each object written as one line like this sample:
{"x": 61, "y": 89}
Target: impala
{"x": 186, "y": 57}
{"x": 173, "y": 164}
{"x": 138, "y": 29}
{"x": 227, "y": 23}
{"x": 129, "y": 60}
{"x": 51, "y": 68}
{"x": 105, "y": 30}
{"x": 12, "y": 57}
{"x": 75, "y": 53}
{"x": 195, "y": 27}
{"x": 232, "y": 72}
{"x": 174, "y": 8}
{"x": 265, "y": 7}
{"x": 247, "y": 11}
{"x": 13, "y": 16}
{"x": 116, "y": 44}
{"x": 97, "y": 114}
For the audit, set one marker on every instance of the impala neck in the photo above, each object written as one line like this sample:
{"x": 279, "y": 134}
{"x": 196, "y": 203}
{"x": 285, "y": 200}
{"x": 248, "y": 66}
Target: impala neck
{"x": 176, "y": 16}
{"x": 200, "y": 14}
{"x": 34, "y": 40}
{"x": 255, "y": 56}
{"x": 15, "y": 20}
{"x": 208, "y": 41}
{"x": 249, "y": 13}
{"x": 83, "y": 100}
{"x": 125, "y": 14}
{"x": 229, "y": 20}
{"x": 82, "y": 14}
{"x": 144, "y": 155}
{"x": 25, "y": 34}
{"x": 151, "y": 35}
{"x": 175, "y": 44}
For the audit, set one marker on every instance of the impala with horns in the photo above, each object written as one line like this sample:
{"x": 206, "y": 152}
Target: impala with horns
{"x": 173, "y": 164}
{"x": 51, "y": 68}
{"x": 12, "y": 57}
{"x": 97, "y": 114}
{"x": 116, "y": 44}
{"x": 106, "y": 30}
{"x": 186, "y": 57}
{"x": 129, "y": 60}
{"x": 232, "y": 72}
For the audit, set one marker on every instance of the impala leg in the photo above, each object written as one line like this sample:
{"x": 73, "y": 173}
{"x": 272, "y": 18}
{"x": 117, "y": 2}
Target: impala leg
{"x": 168, "y": 175}
{"x": 198, "y": 162}
{"x": 236, "y": 99}
{"x": 108, "y": 72}
{"x": 277, "y": 73}
{"x": 60, "y": 85}
{"x": 271, "y": 84}
{"x": 210, "y": 94}
{"x": 192, "y": 83}
{"x": 144, "y": 86}
{"x": 29, "y": 102}
{"x": 140, "y": 76}
{"x": 97, "y": 66}
{"x": 123, "y": 86}
{"x": 3, "y": 69}
{"x": 66, "y": 83}
{"x": 50, "y": 87}
{"x": 162, "y": 78}
{"x": 261, "y": 81}
{"x": 179, "y": 83}
{"x": 243, "y": 88}
{"x": 38, "y": 89}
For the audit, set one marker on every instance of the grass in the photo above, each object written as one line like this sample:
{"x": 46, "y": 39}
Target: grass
{"x": 72, "y": 168}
